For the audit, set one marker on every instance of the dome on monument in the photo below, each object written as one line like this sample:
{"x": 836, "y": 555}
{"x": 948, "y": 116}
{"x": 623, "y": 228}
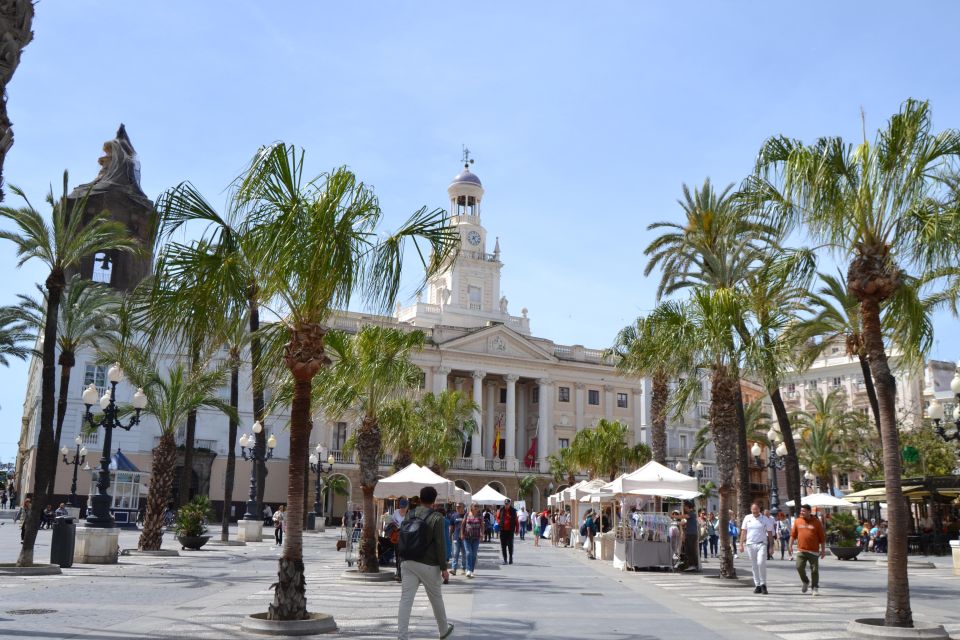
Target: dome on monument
{"x": 466, "y": 176}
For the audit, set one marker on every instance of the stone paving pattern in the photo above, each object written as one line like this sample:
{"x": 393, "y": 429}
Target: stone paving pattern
{"x": 548, "y": 593}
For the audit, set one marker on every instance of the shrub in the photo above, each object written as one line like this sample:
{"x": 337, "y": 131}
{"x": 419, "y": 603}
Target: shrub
{"x": 192, "y": 517}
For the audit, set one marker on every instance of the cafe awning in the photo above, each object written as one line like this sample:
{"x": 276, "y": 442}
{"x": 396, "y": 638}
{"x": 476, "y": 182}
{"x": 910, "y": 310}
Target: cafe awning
{"x": 877, "y": 494}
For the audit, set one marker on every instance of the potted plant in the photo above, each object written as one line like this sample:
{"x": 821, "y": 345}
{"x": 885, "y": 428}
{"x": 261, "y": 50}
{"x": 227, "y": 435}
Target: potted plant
{"x": 842, "y": 536}
{"x": 190, "y": 524}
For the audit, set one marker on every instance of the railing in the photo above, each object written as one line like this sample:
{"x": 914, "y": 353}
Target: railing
{"x": 90, "y": 438}
{"x": 386, "y": 460}
{"x": 495, "y": 464}
{"x": 478, "y": 255}
{"x": 198, "y": 443}
{"x": 339, "y": 457}
{"x": 462, "y": 463}
{"x": 757, "y": 487}
{"x": 678, "y": 452}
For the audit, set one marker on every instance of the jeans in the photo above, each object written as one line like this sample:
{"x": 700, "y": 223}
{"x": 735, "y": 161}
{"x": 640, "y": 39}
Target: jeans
{"x": 415, "y": 573}
{"x": 506, "y": 543}
{"x": 523, "y": 529}
{"x": 784, "y": 545}
{"x": 703, "y": 548}
{"x": 714, "y": 545}
{"x": 758, "y": 561}
{"x": 471, "y": 547}
{"x": 278, "y": 534}
{"x": 803, "y": 558}
{"x": 459, "y": 555}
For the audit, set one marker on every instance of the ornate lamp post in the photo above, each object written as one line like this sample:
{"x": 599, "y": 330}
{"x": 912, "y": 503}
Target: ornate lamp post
{"x": 808, "y": 481}
{"x": 935, "y": 411}
{"x": 257, "y": 454}
{"x": 78, "y": 459}
{"x": 776, "y": 461}
{"x": 100, "y": 503}
{"x": 318, "y": 467}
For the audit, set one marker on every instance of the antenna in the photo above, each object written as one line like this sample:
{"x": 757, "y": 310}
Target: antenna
{"x": 465, "y": 156}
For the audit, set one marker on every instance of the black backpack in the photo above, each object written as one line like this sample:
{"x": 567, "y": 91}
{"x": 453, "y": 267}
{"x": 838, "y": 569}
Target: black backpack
{"x": 416, "y": 536}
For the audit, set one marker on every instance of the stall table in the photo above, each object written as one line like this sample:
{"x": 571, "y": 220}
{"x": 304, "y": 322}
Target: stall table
{"x": 632, "y": 553}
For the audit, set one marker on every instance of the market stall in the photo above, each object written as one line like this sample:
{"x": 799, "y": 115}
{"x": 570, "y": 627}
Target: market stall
{"x": 408, "y": 482}
{"x": 488, "y": 495}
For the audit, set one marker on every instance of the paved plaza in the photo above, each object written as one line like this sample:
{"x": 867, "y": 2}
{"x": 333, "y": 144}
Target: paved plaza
{"x": 548, "y": 593}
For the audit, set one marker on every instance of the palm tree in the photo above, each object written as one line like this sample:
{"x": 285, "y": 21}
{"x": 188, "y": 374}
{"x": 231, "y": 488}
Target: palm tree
{"x": 400, "y": 423}
{"x": 237, "y": 341}
{"x": 73, "y": 235}
{"x": 321, "y": 244}
{"x": 525, "y": 486}
{"x": 170, "y": 399}
{"x": 828, "y": 437}
{"x": 887, "y": 208}
{"x": 369, "y": 371}
{"x": 16, "y": 22}
{"x": 13, "y": 336}
{"x": 447, "y": 420}
{"x": 705, "y": 324}
{"x": 86, "y": 319}
{"x": 564, "y": 466}
{"x": 604, "y": 452}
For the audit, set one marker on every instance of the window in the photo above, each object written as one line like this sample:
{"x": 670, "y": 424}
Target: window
{"x": 339, "y": 436}
{"x": 95, "y": 375}
{"x": 564, "y": 394}
{"x": 564, "y": 443}
{"x": 503, "y": 395}
{"x": 423, "y": 380}
{"x": 843, "y": 480}
{"x": 102, "y": 268}
{"x": 835, "y": 350}
{"x": 474, "y": 293}
{"x": 683, "y": 444}
{"x": 593, "y": 396}
{"x": 837, "y": 381}
{"x": 622, "y": 400}
{"x": 791, "y": 387}
{"x": 535, "y": 396}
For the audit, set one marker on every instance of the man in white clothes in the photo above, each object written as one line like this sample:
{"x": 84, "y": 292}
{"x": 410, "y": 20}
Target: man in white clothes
{"x": 755, "y": 534}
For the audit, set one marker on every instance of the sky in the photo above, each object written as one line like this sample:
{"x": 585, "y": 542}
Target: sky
{"x": 585, "y": 119}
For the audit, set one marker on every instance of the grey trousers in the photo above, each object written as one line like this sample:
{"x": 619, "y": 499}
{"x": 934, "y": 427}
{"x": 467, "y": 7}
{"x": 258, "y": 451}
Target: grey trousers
{"x": 415, "y": 573}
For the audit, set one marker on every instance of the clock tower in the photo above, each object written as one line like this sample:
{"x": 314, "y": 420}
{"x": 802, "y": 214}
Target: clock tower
{"x": 466, "y": 293}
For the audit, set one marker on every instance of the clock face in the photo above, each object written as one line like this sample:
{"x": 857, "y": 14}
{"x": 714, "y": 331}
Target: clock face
{"x": 473, "y": 238}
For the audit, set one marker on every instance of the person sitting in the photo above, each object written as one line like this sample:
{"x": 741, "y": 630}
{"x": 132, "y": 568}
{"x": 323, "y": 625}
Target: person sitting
{"x": 46, "y": 520}
{"x": 61, "y": 511}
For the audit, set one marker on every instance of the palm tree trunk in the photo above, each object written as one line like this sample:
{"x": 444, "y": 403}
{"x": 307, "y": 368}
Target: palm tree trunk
{"x": 744, "y": 499}
{"x": 368, "y": 450}
{"x": 306, "y": 482}
{"x": 231, "y": 450}
{"x": 723, "y": 425}
{"x": 898, "y": 612}
{"x": 186, "y": 475}
{"x": 46, "y": 447}
{"x": 871, "y": 391}
{"x": 256, "y": 377}
{"x": 65, "y": 358}
{"x": 658, "y": 410}
{"x": 792, "y": 465}
{"x": 290, "y": 591}
{"x": 16, "y": 20}
{"x": 161, "y": 482}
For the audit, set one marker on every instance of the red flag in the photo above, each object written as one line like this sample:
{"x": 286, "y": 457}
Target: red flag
{"x": 531, "y": 458}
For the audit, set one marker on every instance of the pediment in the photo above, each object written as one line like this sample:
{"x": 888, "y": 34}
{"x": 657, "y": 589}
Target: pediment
{"x": 498, "y": 341}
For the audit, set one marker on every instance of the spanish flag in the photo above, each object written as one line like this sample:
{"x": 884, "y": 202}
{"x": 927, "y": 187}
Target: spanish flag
{"x": 496, "y": 436}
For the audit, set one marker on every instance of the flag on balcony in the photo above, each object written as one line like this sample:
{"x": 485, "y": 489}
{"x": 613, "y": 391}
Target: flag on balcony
{"x": 496, "y": 435}
{"x": 531, "y": 458}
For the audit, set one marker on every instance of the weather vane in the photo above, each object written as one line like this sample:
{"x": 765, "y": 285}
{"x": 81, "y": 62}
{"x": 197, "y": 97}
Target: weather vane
{"x": 467, "y": 160}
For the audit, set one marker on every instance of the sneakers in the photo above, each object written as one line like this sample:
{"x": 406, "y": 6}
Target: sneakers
{"x": 763, "y": 588}
{"x": 453, "y": 572}
{"x": 469, "y": 574}
{"x": 804, "y": 587}
{"x": 758, "y": 590}
{"x": 816, "y": 591}
{"x": 448, "y": 632}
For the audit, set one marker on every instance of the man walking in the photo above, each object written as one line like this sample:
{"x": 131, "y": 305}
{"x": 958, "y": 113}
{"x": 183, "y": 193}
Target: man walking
{"x": 811, "y": 542}
{"x": 755, "y": 533}
{"x": 509, "y": 524}
{"x": 459, "y": 556}
{"x": 423, "y": 550}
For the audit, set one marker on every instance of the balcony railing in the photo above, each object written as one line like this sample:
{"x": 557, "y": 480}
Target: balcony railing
{"x": 757, "y": 487}
{"x": 678, "y": 452}
{"x": 90, "y": 438}
{"x": 338, "y": 456}
{"x": 198, "y": 443}
{"x": 462, "y": 463}
{"x": 495, "y": 465}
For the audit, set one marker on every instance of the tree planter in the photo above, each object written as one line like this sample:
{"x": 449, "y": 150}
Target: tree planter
{"x": 846, "y": 553}
{"x": 315, "y": 623}
{"x": 355, "y": 576}
{"x": 192, "y": 542}
{"x": 873, "y": 628}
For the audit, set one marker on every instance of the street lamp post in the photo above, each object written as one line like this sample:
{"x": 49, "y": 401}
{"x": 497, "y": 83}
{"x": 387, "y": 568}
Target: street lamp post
{"x": 807, "y": 482}
{"x": 776, "y": 461}
{"x": 935, "y": 411}
{"x": 257, "y": 454}
{"x": 100, "y": 503}
{"x": 78, "y": 459}
{"x": 318, "y": 467}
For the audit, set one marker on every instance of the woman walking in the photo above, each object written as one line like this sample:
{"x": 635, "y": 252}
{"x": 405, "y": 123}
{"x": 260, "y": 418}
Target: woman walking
{"x": 471, "y": 530}
{"x": 279, "y": 521}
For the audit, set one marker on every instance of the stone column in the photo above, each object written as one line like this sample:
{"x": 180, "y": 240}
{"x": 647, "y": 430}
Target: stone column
{"x": 522, "y": 426}
{"x": 608, "y": 402}
{"x": 491, "y": 419}
{"x": 545, "y": 424}
{"x": 580, "y": 401}
{"x": 477, "y": 438}
{"x": 511, "y": 421}
{"x": 440, "y": 379}
{"x": 637, "y": 399}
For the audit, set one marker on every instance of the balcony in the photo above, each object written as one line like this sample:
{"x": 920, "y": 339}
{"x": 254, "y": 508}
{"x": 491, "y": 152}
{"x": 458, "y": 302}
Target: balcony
{"x": 495, "y": 464}
{"x": 756, "y": 487}
{"x": 678, "y": 452}
{"x": 90, "y": 438}
{"x": 198, "y": 443}
{"x": 462, "y": 463}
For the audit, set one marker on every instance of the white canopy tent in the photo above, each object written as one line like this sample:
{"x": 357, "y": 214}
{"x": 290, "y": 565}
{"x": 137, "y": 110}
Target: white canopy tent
{"x": 823, "y": 500}
{"x": 409, "y": 480}
{"x": 654, "y": 479}
{"x": 489, "y": 495}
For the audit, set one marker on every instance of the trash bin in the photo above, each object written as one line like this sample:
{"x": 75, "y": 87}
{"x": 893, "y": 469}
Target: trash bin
{"x": 62, "y": 542}
{"x": 311, "y": 522}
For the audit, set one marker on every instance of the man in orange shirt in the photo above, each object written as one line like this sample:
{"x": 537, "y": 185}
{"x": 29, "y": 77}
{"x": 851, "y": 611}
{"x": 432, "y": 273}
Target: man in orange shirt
{"x": 811, "y": 542}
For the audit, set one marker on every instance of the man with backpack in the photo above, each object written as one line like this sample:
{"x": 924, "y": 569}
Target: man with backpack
{"x": 509, "y": 524}
{"x": 423, "y": 550}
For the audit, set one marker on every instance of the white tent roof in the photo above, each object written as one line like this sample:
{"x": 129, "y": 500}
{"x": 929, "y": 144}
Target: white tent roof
{"x": 587, "y": 487}
{"x": 654, "y": 479}
{"x": 408, "y": 482}
{"x": 823, "y": 500}
{"x": 488, "y": 495}
{"x": 567, "y": 494}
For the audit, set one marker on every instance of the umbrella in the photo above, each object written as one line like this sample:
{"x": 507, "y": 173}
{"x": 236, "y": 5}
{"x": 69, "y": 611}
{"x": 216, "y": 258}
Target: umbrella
{"x": 823, "y": 500}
